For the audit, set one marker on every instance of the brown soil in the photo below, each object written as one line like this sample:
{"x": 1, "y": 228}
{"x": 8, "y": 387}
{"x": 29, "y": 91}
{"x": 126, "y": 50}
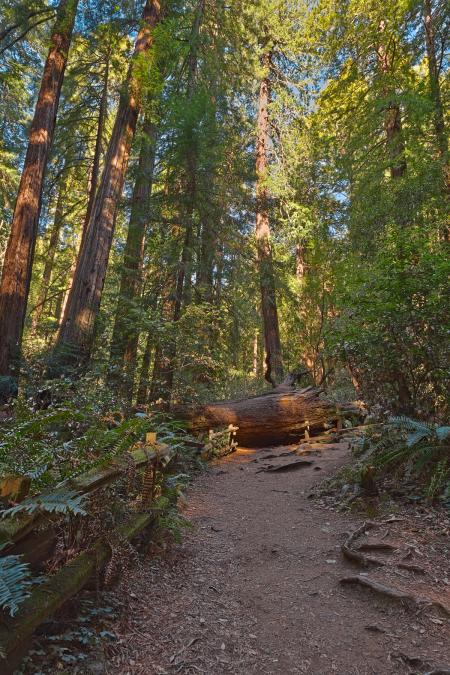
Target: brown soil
{"x": 255, "y": 586}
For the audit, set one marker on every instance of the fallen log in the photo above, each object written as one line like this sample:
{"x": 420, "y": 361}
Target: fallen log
{"x": 281, "y": 415}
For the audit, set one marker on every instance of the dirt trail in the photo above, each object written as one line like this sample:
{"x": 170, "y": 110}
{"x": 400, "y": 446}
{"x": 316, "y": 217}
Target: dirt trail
{"x": 254, "y": 588}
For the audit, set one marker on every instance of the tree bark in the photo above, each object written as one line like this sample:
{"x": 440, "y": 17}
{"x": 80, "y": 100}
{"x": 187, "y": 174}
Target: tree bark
{"x": 278, "y": 416}
{"x": 51, "y": 251}
{"x": 93, "y": 182}
{"x": 274, "y": 359}
{"x": 142, "y": 392}
{"x": 178, "y": 291}
{"x": 392, "y": 116}
{"x": 17, "y": 267}
{"x": 205, "y": 281}
{"x": 125, "y": 335}
{"x": 95, "y": 172}
{"x": 76, "y": 333}
{"x": 435, "y": 94}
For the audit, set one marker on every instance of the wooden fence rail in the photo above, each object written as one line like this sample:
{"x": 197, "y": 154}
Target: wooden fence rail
{"x": 34, "y": 537}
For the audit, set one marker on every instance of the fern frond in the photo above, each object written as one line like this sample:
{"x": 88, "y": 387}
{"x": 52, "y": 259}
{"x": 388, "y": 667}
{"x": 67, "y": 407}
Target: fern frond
{"x": 443, "y": 433}
{"x": 15, "y": 579}
{"x": 417, "y": 436}
{"x": 64, "y": 502}
{"x": 404, "y": 423}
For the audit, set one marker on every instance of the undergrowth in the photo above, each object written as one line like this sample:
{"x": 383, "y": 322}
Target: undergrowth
{"x": 76, "y": 431}
{"x": 403, "y": 457}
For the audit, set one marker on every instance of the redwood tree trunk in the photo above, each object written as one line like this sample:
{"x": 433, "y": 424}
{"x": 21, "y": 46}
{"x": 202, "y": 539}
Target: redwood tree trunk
{"x": 142, "y": 392}
{"x": 179, "y": 290}
{"x": 125, "y": 336}
{"x": 93, "y": 183}
{"x": 392, "y": 115}
{"x": 435, "y": 93}
{"x": 274, "y": 359}
{"x": 278, "y": 416}
{"x": 17, "y": 267}
{"x": 51, "y": 251}
{"x": 76, "y": 333}
{"x": 95, "y": 173}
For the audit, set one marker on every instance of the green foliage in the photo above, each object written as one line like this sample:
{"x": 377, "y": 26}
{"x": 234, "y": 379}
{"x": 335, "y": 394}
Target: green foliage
{"x": 81, "y": 430}
{"x": 412, "y": 448}
{"x": 67, "y": 502}
{"x": 15, "y": 580}
{"x": 392, "y": 326}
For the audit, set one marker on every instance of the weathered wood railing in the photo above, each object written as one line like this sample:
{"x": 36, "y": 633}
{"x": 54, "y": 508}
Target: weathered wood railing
{"x": 220, "y": 443}
{"x": 34, "y": 537}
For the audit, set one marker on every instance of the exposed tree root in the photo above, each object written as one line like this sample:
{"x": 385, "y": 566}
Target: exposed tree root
{"x": 411, "y": 567}
{"x": 395, "y": 593}
{"x": 353, "y": 554}
{"x": 377, "y": 546}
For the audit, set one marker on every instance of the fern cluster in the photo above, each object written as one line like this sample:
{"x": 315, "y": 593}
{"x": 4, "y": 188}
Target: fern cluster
{"x": 15, "y": 580}
{"x": 413, "y": 449}
{"x": 72, "y": 437}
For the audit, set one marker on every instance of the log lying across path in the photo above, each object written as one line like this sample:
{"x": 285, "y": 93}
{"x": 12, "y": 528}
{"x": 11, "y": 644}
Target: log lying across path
{"x": 280, "y": 415}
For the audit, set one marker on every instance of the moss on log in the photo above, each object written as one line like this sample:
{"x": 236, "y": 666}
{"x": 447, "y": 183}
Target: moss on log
{"x": 47, "y": 598}
{"x": 15, "y": 529}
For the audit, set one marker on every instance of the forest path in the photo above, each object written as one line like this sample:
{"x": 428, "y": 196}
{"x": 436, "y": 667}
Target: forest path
{"x": 254, "y": 587}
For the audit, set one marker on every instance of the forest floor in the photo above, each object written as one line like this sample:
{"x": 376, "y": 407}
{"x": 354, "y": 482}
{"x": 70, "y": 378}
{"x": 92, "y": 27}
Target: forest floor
{"x": 255, "y": 585}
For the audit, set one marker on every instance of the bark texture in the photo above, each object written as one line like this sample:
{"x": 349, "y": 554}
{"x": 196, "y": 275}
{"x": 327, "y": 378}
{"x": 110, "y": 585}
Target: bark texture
{"x": 281, "y": 415}
{"x": 436, "y": 97}
{"x": 76, "y": 333}
{"x": 51, "y": 251}
{"x": 392, "y": 114}
{"x": 274, "y": 359}
{"x": 17, "y": 267}
{"x": 125, "y": 336}
{"x": 179, "y": 287}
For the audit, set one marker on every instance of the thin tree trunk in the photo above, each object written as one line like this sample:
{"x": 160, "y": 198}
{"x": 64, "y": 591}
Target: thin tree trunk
{"x": 392, "y": 117}
{"x": 95, "y": 173}
{"x": 435, "y": 94}
{"x": 17, "y": 268}
{"x": 274, "y": 359}
{"x": 77, "y": 328}
{"x": 142, "y": 392}
{"x": 164, "y": 365}
{"x": 51, "y": 252}
{"x": 125, "y": 335}
{"x": 93, "y": 183}
{"x": 255, "y": 354}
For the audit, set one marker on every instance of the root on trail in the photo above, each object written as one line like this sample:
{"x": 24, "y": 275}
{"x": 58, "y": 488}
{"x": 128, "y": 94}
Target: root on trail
{"x": 355, "y": 555}
{"x": 395, "y": 593}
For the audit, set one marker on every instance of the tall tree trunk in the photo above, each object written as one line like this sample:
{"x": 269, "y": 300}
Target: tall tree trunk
{"x": 165, "y": 352}
{"x": 392, "y": 115}
{"x": 95, "y": 172}
{"x": 17, "y": 267}
{"x": 165, "y": 355}
{"x": 76, "y": 333}
{"x": 142, "y": 392}
{"x": 125, "y": 335}
{"x": 274, "y": 359}
{"x": 205, "y": 273}
{"x": 51, "y": 250}
{"x": 435, "y": 94}
{"x": 93, "y": 182}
